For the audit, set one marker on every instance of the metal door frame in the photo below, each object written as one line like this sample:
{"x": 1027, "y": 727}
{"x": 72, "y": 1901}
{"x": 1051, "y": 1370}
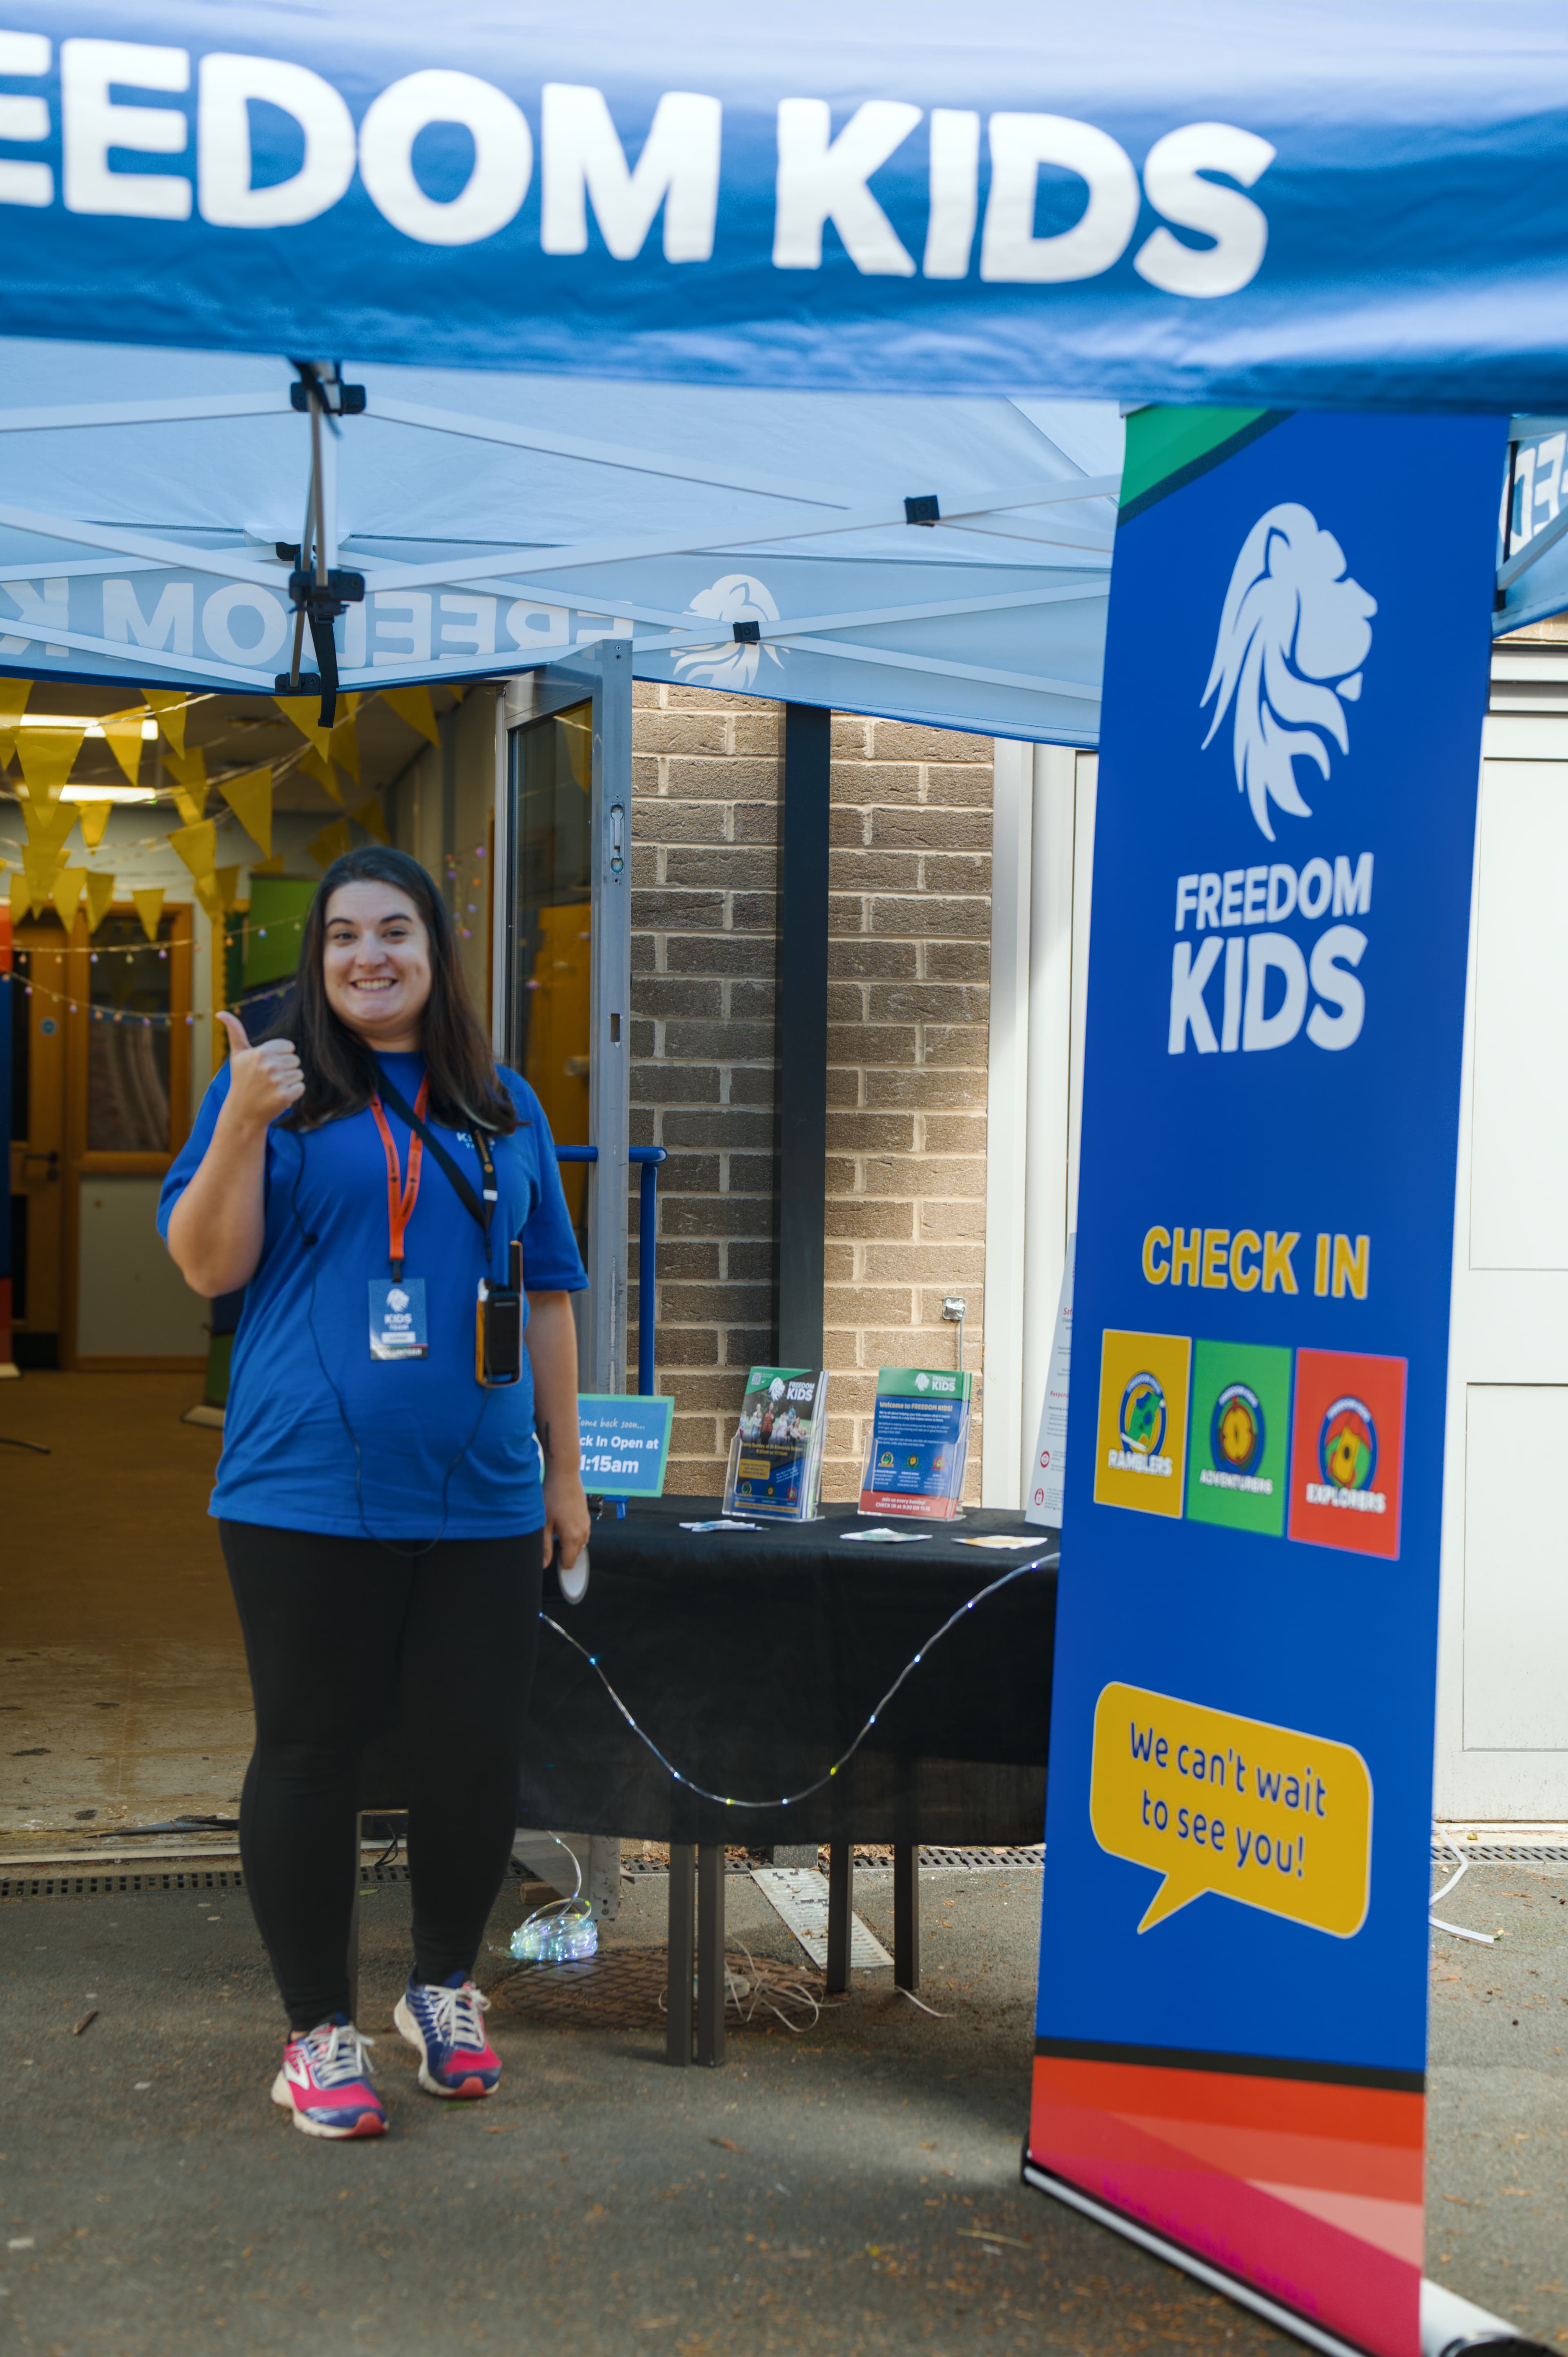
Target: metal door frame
{"x": 602, "y": 672}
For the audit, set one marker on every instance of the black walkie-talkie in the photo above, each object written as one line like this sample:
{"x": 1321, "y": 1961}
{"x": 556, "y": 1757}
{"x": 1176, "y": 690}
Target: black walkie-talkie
{"x": 498, "y": 1327}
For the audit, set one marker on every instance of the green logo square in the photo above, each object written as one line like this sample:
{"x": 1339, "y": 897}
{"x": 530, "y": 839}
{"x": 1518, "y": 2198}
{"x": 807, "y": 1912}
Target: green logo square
{"x": 1240, "y": 1436}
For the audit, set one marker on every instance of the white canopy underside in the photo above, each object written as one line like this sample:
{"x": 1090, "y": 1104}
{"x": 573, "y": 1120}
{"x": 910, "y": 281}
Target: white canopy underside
{"x": 499, "y": 519}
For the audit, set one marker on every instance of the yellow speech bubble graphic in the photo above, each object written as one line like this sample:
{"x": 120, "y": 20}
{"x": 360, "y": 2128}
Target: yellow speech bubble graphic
{"x": 1214, "y": 1801}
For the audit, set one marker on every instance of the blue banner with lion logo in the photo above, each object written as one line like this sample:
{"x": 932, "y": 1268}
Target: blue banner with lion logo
{"x": 1231, "y": 2032}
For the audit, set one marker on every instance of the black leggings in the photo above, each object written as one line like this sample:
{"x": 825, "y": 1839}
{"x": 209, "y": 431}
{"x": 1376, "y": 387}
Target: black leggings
{"x": 347, "y": 1640}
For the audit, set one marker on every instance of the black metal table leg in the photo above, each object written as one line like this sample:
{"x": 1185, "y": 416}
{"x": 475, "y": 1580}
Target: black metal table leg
{"x": 711, "y": 1954}
{"x": 354, "y": 1923}
{"x": 682, "y": 1957}
{"x": 906, "y": 1915}
{"x": 840, "y": 1902}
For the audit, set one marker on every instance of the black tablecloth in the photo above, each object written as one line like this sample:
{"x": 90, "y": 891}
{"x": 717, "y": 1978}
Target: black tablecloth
{"x": 753, "y": 1660}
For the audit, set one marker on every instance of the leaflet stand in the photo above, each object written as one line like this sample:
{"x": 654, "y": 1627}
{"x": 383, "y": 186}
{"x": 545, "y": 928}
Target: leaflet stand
{"x": 748, "y": 1506}
{"x": 912, "y": 1508}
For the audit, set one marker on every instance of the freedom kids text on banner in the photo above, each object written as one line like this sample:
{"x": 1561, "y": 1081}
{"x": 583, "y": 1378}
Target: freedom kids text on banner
{"x": 1231, "y": 2044}
{"x": 1311, "y": 204}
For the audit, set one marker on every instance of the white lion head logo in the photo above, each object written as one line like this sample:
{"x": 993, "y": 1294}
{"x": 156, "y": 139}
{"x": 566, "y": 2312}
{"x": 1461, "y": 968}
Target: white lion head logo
{"x": 1292, "y": 618}
{"x": 738, "y": 598}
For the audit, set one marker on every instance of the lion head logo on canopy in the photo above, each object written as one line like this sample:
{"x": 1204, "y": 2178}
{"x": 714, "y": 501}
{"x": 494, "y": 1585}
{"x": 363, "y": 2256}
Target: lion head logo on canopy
{"x": 1294, "y": 620}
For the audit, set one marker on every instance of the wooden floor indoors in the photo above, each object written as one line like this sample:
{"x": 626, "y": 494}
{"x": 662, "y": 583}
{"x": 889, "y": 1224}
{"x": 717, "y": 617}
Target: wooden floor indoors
{"x": 123, "y": 1691}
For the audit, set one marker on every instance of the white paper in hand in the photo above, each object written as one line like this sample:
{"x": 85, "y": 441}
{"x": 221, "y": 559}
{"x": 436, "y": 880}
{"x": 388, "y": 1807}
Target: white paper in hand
{"x": 575, "y": 1582}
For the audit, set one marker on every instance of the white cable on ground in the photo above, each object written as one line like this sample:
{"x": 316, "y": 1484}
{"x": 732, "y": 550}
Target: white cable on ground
{"x": 923, "y": 2005}
{"x": 1482, "y": 1939}
{"x": 767, "y": 1987}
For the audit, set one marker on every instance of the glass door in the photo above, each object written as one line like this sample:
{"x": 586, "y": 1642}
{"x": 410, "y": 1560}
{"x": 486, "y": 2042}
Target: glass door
{"x": 564, "y": 953}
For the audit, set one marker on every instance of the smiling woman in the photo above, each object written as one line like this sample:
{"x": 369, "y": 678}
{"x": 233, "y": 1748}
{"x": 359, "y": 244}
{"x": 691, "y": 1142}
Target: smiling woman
{"x": 388, "y": 1495}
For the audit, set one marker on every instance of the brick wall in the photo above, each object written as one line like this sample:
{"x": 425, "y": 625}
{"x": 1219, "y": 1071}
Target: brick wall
{"x": 705, "y": 780}
{"x": 909, "y": 965}
{"x": 907, "y": 1053}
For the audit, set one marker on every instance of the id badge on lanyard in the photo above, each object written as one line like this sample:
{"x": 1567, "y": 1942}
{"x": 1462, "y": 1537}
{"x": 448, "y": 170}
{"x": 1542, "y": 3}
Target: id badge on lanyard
{"x": 398, "y": 1324}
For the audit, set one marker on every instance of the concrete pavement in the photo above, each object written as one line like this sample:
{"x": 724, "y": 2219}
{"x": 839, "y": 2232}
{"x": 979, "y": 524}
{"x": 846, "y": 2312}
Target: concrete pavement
{"x": 851, "y": 2190}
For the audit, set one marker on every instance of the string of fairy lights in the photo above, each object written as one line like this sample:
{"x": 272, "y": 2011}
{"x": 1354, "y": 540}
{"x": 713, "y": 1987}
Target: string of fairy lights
{"x": 1044, "y": 1562}
{"x": 131, "y": 849}
{"x": 157, "y": 1017}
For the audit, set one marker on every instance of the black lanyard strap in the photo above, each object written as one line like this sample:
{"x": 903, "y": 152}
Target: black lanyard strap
{"x": 480, "y": 1213}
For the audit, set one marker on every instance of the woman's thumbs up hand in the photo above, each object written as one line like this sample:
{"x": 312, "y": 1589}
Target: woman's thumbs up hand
{"x": 264, "y": 1081}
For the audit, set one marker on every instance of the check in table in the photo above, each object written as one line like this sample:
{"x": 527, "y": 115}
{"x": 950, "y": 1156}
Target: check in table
{"x": 753, "y": 1658}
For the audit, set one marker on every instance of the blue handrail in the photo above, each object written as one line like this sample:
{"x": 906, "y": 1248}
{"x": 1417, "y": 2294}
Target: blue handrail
{"x": 649, "y": 1157}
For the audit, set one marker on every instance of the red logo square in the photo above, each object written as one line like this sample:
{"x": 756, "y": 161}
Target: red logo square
{"x": 1347, "y": 1451}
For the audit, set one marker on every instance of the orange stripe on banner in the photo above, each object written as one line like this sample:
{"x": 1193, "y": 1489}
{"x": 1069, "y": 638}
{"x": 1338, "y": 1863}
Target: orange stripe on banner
{"x": 1380, "y": 2115}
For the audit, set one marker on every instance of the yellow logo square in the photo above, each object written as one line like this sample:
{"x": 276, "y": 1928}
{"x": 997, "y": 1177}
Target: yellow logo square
{"x": 1141, "y": 1447}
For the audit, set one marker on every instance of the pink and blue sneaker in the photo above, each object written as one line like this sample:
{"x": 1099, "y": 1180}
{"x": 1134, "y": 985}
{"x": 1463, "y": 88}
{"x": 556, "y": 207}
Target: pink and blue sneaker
{"x": 446, "y": 2022}
{"x": 325, "y": 2082}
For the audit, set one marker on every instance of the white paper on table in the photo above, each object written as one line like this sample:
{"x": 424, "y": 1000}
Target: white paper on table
{"x": 886, "y": 1537}
{"x": 997, "y": 1541}
{"x": 1045, "y": 1501}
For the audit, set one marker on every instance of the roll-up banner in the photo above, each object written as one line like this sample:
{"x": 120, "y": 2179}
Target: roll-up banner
{"x": 1231, "y": 2032}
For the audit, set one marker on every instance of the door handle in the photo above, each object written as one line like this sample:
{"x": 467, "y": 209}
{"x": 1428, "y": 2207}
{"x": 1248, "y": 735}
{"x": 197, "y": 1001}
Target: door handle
{"x": 50, "y": 1161}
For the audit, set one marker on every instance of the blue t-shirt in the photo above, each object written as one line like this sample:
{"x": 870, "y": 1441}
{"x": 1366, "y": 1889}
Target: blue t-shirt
{"x": 319, "y": 1435}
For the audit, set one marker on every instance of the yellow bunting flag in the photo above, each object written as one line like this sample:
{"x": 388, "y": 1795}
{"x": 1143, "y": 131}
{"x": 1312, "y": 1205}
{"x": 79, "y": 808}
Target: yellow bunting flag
{"x": 170, "y": 705}
{"x": 94, "y": 817}
{"x": 250, "y": 800}
{"x": 41, "y": 869}
{"x": 316, "y": 766}
{"x": 189, "y": 772}
{"x": 331, "y": 843}
{"x": 210, "y": 898}
{"x": 228, "y": 882}
{"x": 21, "y": 898}
{"x": 123, "y": 732}
{"x": 457, "y": 693}
{"x": 303, "y": 711}
{"x": 14, "y": 695}
{"x": 67, "y": 894}
{"x": 346, "y": 749}
{"x": 190, "y": 767}
{"x": 48, "y": 823}
{"x": 372, "y": 818}
{"x": 97, "y": 887}
{"x": 197, "y": 846}
{"x": 272, "y": 866}
{"x": 414, "y": 705}
{"x": 149, "y": 907}
{"x": 47, "y": 755}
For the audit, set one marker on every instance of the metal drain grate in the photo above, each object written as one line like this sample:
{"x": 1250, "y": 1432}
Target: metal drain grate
{"x": 16, "y": 1886}
{"x": 112, "y": 1886}
{"x": 973, "y": 1860}
{"x": 1501, "y": 1853}
{"x": 872, "y": 1856}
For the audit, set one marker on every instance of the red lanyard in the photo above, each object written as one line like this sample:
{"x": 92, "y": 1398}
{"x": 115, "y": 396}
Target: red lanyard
{"x": 401, "y": 1199}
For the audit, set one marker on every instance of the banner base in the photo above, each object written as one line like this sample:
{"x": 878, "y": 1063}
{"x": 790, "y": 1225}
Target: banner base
{"x": 1449, "y": 2324}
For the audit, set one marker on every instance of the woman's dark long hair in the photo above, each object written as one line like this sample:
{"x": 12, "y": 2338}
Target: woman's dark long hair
{"x": 340, "y": 1075}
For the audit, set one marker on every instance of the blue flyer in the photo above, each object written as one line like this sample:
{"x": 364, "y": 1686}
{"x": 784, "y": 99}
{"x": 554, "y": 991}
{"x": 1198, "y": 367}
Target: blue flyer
{"x": 625, "y": 1444}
